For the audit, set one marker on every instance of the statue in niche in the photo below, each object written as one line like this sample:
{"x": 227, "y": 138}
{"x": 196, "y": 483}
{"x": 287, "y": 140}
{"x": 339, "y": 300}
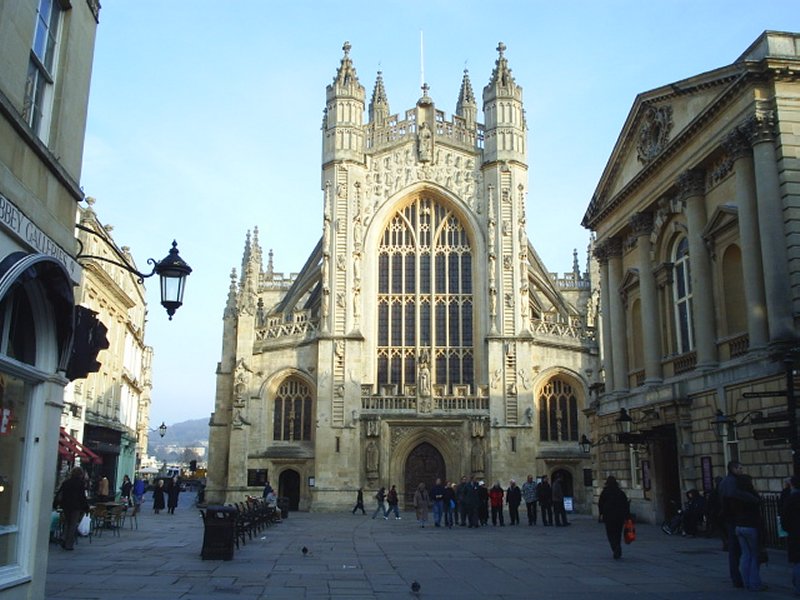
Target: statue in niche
{"x": 424, "y": 376}
{"x": 478, "y": 427}
{"x": 242, "y": 378}
{"x": 374, "y": 427}
{"x": 358, "y": 233}
{"x": 425, "y": 143}
{"x": 528, "y": 415}
{"x": 477, "y": 456}
{"x": 372, "y": 457}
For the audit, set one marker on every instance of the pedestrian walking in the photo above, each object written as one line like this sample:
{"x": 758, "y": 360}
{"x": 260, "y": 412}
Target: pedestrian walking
{"x": 613, "y": 508}
{"x": 359, "y": 502}
{"x": 471, "y": 503}
{"x": 139, "y": 488}
{"x": 421, "y": 504}
{"x": 559, "y": 512}
{"x": 529, "y": 496}
{"x": 544, "y": 493}
{"x": 393, "y": 501}
{"x": 790, "y": 521}
{"x": 496, "y": 501}
{"x": 158, "y": 497}
{"x": 746, "y": 509}
{"x": 71, "y": 499}
{"x": 728, "y": 490}
{"x": 172, "y": 495}
{"x": 513, "y": 499}
{"x": 380, "y": 509}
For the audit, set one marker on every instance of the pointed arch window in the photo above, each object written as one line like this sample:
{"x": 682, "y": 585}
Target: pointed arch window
{"x": 558, "y": 412}
{"x": 292, "y": 414}
{"x": 682, "y": 297}
{"x": 425, "y": 302}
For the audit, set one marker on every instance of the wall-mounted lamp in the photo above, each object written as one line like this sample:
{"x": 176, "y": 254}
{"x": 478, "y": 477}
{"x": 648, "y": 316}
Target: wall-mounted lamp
{"x": 3, "y": 483}
{"x": 586, "y": 444}
{"x": 172, "y": 270}
{"x": 722, "y": 422}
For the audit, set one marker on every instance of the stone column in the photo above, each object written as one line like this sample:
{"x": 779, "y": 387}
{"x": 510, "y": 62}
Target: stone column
{"x": 619, "y": 337}
{"x": 605, "y": 314}
{"x": 738, "y": 148}
{"x": 760, "y": 130}
{"x": 692, "y": 187}
{"x": 642, "y": 225}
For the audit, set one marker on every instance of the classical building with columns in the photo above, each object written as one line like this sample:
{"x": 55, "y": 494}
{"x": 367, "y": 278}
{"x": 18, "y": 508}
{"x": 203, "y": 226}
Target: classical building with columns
{"x": 424, "y": 337}
{"x": 697, "y": 218}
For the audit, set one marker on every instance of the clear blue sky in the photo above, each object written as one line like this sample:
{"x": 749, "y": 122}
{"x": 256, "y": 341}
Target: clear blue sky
{"x": 204, "y": 121}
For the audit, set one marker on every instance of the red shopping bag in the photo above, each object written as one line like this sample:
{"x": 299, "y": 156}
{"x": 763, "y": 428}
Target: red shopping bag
{"x": 629, "y": 530}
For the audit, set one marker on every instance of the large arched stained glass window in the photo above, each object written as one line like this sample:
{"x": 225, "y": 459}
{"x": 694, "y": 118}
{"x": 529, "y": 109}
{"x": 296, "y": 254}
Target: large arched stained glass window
{"x": 425, "y": 296}
{"x": 292, "y": 414}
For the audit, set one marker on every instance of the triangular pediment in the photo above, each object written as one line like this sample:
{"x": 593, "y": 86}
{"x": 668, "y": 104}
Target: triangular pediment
{"x": 659, "y": 123}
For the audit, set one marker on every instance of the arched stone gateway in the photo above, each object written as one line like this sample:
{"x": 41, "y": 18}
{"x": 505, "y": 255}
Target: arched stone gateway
{"x": 424, "y": 465}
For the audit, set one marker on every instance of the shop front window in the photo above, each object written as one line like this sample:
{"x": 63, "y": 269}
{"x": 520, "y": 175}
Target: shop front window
{"x": 14, "y": 401}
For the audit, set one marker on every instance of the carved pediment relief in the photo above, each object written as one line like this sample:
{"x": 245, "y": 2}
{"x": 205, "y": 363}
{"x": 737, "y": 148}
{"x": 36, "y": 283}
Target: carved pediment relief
{"x": 653, "y": 133}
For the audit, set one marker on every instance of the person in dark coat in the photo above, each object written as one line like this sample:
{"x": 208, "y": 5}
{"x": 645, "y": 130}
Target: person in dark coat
{"x": 747, "y": 517}
{"x": 125, "y": 490}
{"x": 483, "y": 503}
{"x": 172, "y": 495}
{"x": 613, "y": 507}
{"x": 559, "y": 512}
{"x": 449, "y": 504}
{"x": 158, "y": 497}
{"x": 544, "y": 492}
{"x": 513, "y": 499}
{"x": 790, "y": 521}
{"x": 359, "y": 502}
{"x": 695, "y": 508}
{"x": 71, "y": 499}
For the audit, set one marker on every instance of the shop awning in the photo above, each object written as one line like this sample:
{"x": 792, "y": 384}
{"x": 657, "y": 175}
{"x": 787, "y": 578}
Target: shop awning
{"x": 70, "y": 449}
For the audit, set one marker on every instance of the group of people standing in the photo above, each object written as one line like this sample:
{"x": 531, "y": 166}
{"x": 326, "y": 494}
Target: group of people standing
{"x": 743, "y": 529}
{"x": 469, "y": 503}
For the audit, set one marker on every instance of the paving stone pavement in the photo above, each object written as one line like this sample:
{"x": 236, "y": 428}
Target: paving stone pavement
{"x": 358, "y": 557}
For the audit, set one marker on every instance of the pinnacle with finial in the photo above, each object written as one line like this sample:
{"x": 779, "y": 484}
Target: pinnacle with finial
{"x": 425, "y": 88}
{"x": 501, "y": 47}
{"x": 346, "y": 48}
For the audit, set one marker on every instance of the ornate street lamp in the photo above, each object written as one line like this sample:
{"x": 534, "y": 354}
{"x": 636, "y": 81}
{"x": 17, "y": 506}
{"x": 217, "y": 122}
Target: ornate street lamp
{"x": 172, "y": 270}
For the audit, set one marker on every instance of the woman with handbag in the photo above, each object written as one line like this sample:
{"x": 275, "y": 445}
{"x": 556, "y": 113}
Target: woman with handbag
{"x": 613, "y": 506}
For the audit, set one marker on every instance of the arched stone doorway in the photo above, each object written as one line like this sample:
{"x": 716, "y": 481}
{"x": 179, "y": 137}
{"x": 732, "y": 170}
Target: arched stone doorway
{"x": 567, "y": 485}
{"x": 289, "y": 487}
{"x": 424, "y": 465}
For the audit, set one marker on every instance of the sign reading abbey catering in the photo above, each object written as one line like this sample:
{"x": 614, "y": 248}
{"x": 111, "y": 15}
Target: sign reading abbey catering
{"x": 20, "y": 226}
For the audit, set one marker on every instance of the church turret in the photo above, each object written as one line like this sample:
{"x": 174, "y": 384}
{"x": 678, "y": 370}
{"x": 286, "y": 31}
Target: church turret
{"x": 379, "y": 105}
{"x": 504, "y": 117}
{"x": 343, "y": 136}
{"x": 467, "y": 107}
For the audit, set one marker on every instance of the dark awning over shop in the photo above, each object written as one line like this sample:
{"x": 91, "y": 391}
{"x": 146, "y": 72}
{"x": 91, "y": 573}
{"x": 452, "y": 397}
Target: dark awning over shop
{"x": 70, "y": 448}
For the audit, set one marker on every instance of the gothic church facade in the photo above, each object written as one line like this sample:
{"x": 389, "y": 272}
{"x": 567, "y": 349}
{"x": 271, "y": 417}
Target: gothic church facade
{"x": 424, "y": 337}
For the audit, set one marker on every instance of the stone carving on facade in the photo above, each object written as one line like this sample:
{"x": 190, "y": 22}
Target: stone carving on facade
{"x": 478, "y": 456}
{"x": 424, "y": 374}
{"x": 372, "y": 458}
{"x": 529, "y": 416}
{"x": 496, "y": 378}
{"x": 653, "y": 133}
{"x": 238, "y": 421}
{"x": 641, "y": 223}
{"x": 398, "y": 433}
{"x": 241, "y": 378}
{"x": 692, "y": 183}
{"x": 424, "y": 143}
{"x": 760, "y": 126}
{"x": 390, "y": 172}
{"x": 506, "y": 228}
{"x": 340, "y": 301}
{"x": 507, "y": 262}
{"x": 341, "y": 262}
{"x": 373, "y": 426}
{"x": 736, "y": 145}
{"x": 358, "y": 233}
{"x": 525, "y": 377}
{"x": 719, "y": 170}
{"x": 509, "y": 300}
{"x": 478, "y": 427}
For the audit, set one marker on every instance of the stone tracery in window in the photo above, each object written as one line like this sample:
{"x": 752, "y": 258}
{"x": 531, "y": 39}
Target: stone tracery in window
{"x": 558, "y": 412}
{"x": 292, "y": 413}
{"x": 425, "y": 296}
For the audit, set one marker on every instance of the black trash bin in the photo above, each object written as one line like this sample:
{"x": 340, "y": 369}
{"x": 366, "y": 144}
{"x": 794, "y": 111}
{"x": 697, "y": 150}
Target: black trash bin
{"x": 283, "y": 506}
{"x": 220, "y": 531}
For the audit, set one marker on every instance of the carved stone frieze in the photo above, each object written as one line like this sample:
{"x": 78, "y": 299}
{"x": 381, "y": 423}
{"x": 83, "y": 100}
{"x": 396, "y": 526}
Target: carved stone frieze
{"x": 390, "y": 172}
{"x": 718, "y": 170}
{"x": 653, "y": 133}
